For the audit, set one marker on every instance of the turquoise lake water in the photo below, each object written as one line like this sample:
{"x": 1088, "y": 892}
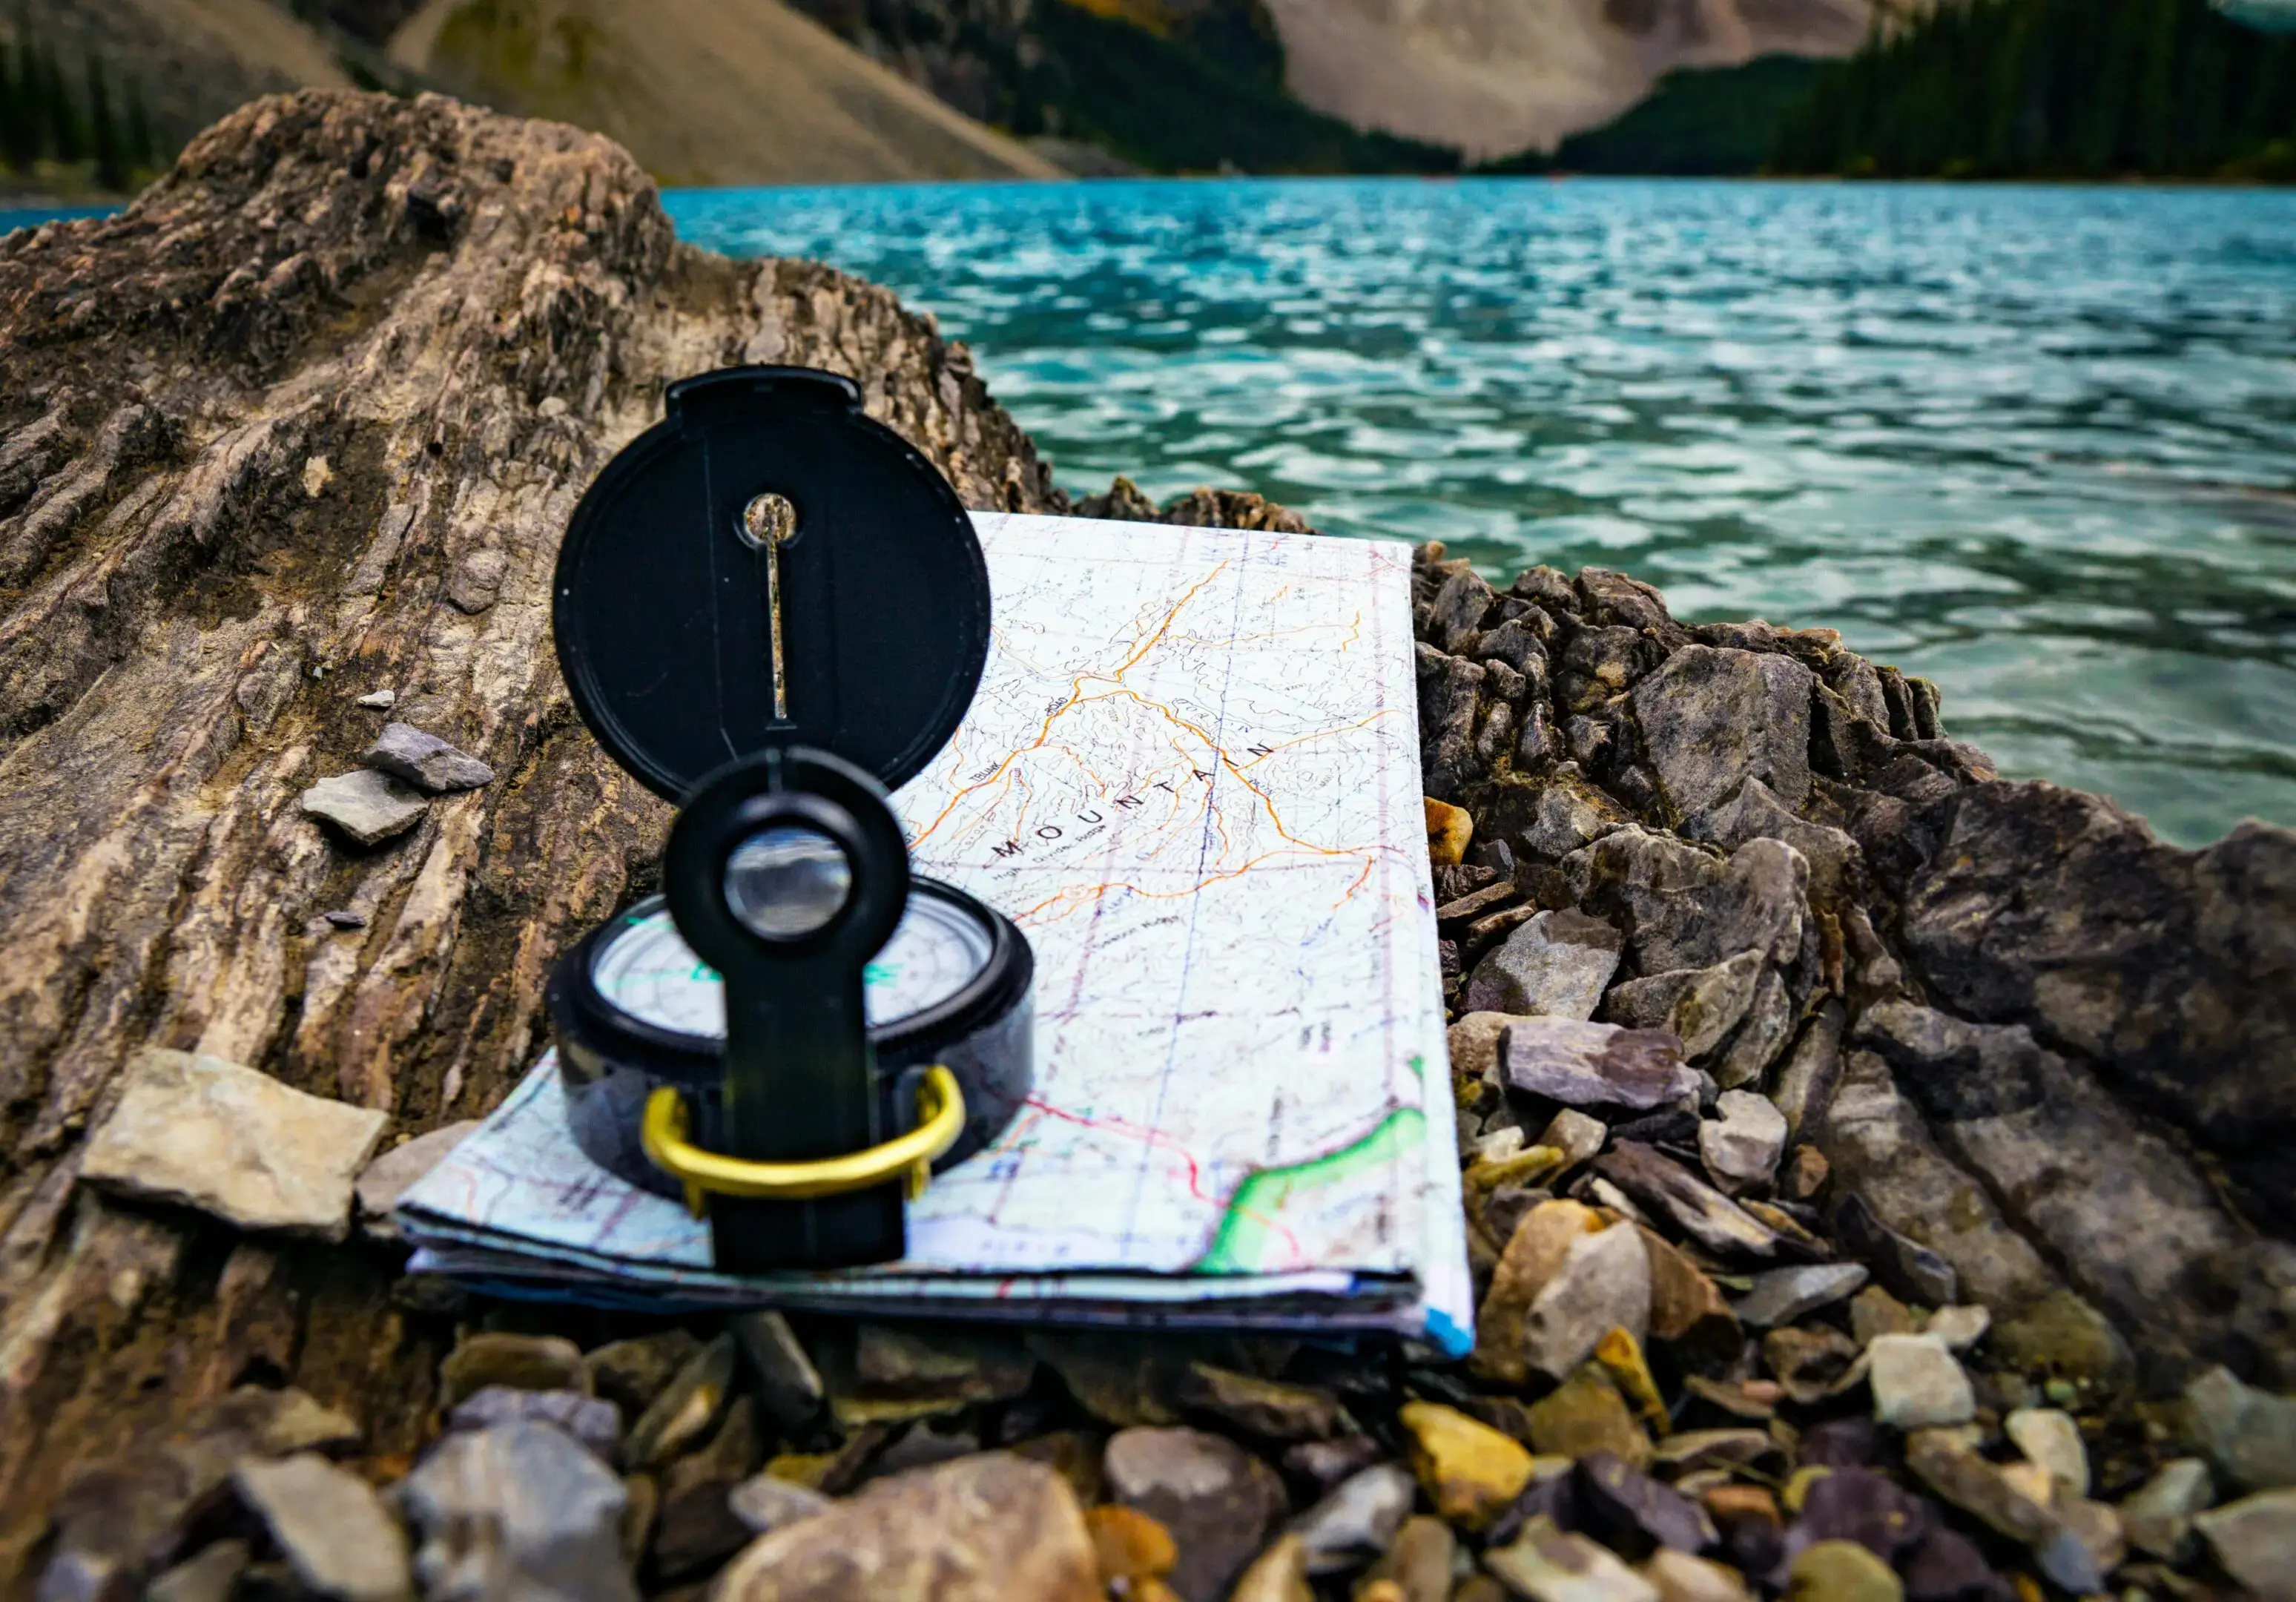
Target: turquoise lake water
{"x": 2038, "y": 444}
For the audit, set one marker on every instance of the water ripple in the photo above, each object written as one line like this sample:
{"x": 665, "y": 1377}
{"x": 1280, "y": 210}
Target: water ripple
{"x": 2037, "y": 443}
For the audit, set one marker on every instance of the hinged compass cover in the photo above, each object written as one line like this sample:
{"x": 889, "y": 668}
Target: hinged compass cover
{"x": 768, "y": 520}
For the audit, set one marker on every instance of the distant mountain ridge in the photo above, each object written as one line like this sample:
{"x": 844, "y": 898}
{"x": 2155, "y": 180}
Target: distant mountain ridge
{"x": 1171, "y": 86}
{"x": 1497, "y": 77}
{"x": 706, "y": 92}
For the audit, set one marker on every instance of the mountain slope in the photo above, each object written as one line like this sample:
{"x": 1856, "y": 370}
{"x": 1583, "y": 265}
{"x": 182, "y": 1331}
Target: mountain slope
{"x": 1494, "y": 77}
{"x": 194, "y": 59}
{"x": 706, "y": 91}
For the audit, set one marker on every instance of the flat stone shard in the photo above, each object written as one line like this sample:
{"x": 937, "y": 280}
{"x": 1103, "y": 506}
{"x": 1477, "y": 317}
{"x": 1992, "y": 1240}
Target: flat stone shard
{"x": 1901, "y": 1264}
{"x": 592, "y": 1420}
{"x": 198, "y": 1131}
{"x": 424, "y": 761}
{"x": 2049, "y": 1437}
{"x": 1699, "y": 1209}
{"x": 330, "y": 1526}
{"x": 1917, "y": 1383}
{"x": 518, "y": 1510}
{"x": 1470, "y": 1471}
{"x": 369, "y": 806}
{"x": 1548, "y": 1564}
{"x": 1265, "y": 1408}
{"x": 790, "y": 1388}
{"x": 2158, "y": 1517}
{"x": 1535, "y": 1251}
{"x": 1555, "y": 966}
{"x": 977, "y": 1529}
{"x": 1784, "y": 1295}
{"x": 381, "y": 1182}
{"x": 1278, "y": 1574}
{"x": 522, "y": 1363}
{"x": 1594, "y": 1065}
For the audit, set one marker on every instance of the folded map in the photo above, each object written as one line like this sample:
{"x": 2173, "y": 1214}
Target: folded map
{"x": 1191, "y": 776}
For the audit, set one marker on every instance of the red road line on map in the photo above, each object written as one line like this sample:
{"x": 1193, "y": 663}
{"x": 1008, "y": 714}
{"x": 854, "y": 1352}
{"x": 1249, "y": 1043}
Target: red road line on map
{"x": 1156, "y": 1138}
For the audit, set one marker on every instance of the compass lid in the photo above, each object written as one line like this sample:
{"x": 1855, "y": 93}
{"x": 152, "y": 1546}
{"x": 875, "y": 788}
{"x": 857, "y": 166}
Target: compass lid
{"x": 768, "y": 567}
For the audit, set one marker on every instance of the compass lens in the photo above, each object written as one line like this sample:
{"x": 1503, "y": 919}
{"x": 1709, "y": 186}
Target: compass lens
{"x": 786, "y": 882}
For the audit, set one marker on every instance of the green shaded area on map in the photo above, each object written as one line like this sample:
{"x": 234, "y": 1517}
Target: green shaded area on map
{"x": 1240, "y": 1245}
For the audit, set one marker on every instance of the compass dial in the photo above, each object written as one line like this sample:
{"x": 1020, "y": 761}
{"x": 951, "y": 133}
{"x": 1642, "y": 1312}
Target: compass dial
{"x": 649, "y": 972}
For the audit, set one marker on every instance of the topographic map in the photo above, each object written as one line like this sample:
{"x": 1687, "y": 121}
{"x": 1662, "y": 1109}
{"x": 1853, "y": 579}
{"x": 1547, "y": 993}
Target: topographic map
{"x": 1191, "y": 776}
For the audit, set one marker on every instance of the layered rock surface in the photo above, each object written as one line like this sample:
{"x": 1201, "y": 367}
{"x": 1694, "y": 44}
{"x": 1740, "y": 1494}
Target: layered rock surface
{"x": 2028, "y": 1037}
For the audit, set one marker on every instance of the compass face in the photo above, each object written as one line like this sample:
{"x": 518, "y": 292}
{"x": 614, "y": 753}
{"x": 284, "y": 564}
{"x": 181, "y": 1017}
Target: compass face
{"x": 649, "y": 972}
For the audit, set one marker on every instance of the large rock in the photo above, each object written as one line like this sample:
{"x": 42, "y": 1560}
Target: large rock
{"x": 1880, "y": 1148}
{"x": 1555, "y": 965}
{"x": 201, "y": 1132}
{"x": 2176, "y": 970}
{"x": 1220, "y": 1502}
{"x": 979, "y": 1529}
{"x": 2254, "y": 1540}
{"x": 2136, "y": 1225}
{"x": 1699, "y": 1005}
{"x": 518, "y": 1511}
{"x": 330, "y": 1526}
{"x": 1713, "y": 718}
{"x": 1602, "y": 1283}
{"x": 115, "y": 1517}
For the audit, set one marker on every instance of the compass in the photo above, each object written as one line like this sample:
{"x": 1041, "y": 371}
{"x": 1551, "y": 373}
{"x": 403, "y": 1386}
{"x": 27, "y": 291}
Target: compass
{"x": 769, "y": 609}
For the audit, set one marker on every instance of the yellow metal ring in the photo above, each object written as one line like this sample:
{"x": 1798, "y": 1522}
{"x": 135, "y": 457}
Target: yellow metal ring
{"x": 941, "y": 1120}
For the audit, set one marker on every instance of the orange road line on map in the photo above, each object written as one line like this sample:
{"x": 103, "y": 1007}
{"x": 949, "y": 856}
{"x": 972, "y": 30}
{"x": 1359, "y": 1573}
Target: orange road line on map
{"x": 1076, "y": 693}
{"x": 1093, "y": 892}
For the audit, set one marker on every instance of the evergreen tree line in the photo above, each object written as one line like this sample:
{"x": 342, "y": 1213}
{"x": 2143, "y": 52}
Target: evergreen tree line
{"x": 2054, "y": 88}
{"x": 49, "y": 113}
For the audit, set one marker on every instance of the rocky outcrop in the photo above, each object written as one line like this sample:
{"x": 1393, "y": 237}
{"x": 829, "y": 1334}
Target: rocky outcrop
{"x": 2032, "y": 1039}
{"x": 255, "y": 428}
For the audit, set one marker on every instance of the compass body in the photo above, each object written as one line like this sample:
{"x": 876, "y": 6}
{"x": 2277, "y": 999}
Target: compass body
{"x": 635, "y": 1009}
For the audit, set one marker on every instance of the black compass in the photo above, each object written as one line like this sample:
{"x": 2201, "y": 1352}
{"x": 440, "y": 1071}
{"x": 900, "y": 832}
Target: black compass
{"x": 769, "y": 608}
